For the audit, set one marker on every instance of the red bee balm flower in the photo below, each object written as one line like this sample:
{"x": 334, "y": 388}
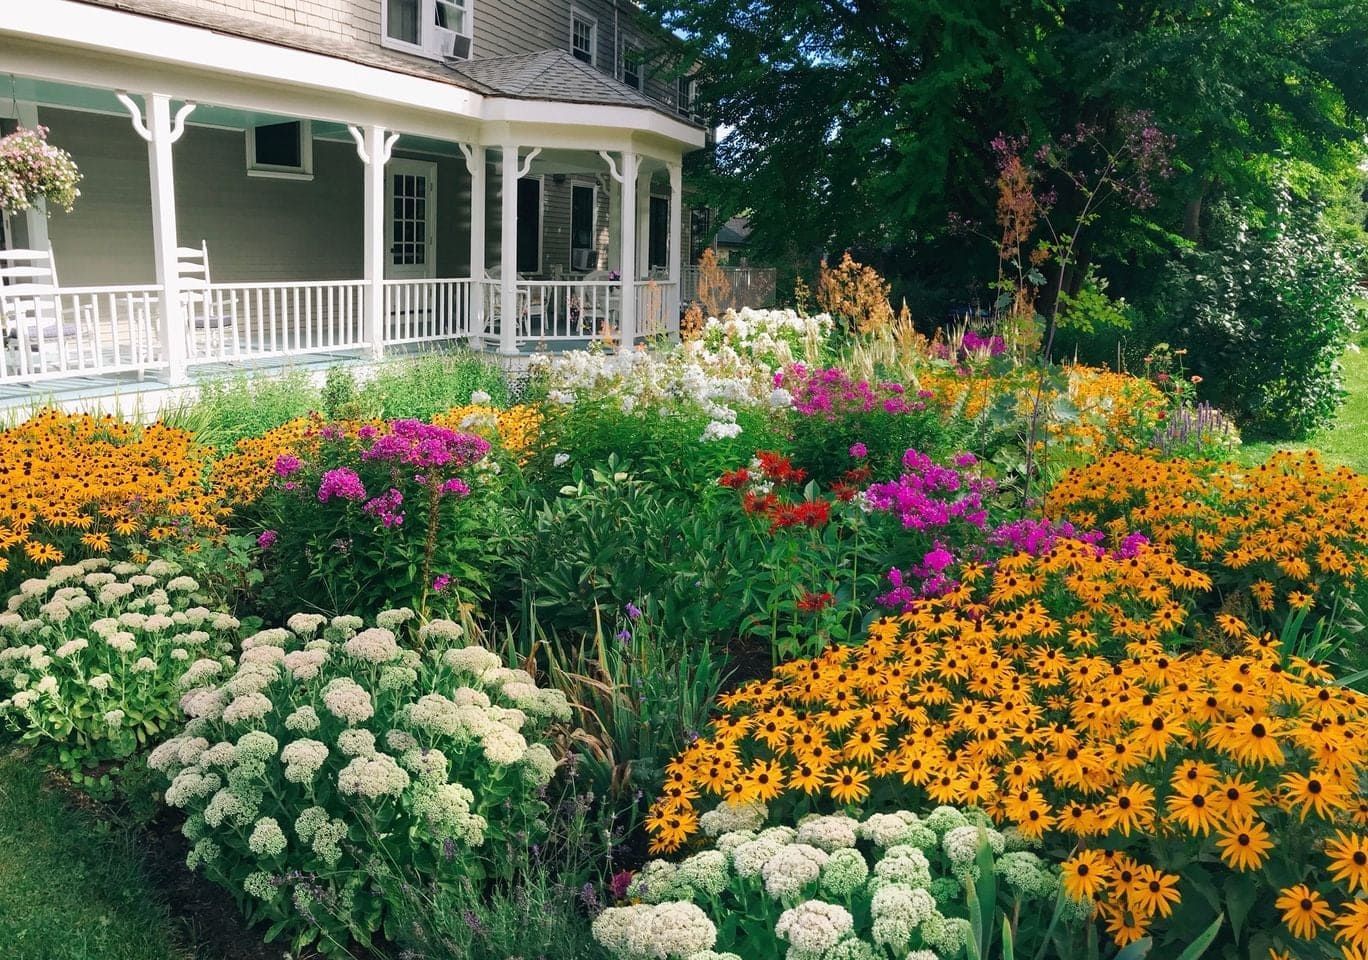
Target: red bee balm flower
{"x": 811, "y": 602}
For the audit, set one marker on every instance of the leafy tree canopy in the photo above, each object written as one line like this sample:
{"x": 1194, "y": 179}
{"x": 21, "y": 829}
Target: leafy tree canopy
{"x": 866, "y": 123}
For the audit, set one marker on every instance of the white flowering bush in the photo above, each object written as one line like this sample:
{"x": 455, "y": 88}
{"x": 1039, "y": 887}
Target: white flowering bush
{"x": 335, "y": 769}
{"x": 645, "y": 383}
{"x": 892, "y": 886}
{"x": 774, "y": 338}
{"x": 94, "y": 657}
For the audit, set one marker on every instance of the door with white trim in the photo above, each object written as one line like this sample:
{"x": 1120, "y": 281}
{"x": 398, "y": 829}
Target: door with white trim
{"x": 411, "y": 219}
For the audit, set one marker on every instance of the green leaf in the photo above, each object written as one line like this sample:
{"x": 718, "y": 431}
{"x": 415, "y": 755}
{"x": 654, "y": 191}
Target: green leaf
{"x": 1241, "y": 891}
{"x": 1135, "y": 951}
{"x": 1199, "y": 946}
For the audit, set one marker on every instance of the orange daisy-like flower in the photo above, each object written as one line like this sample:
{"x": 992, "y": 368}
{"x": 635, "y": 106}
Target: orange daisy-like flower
{"x": 848, "y": 784}
{"x": 1304, "y": 911}
{"x": 1244, "y": 844}
{"x": 1348, "y": 854}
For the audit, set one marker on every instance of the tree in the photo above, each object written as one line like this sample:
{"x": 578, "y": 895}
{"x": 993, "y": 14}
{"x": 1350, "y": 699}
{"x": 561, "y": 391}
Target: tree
{"x": 865, "y": 123}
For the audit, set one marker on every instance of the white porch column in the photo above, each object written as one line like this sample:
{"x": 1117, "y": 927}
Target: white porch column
{"x": 508, "y": 252}
{"x": 475, "y": 163}
{"x": 643, "y": 219}
{"x": 673, "y": 258}
{"x": 628, "y": 261}
{"x": 375, "y": 155}
{"x": 614, "y": 220}
{"x": 36, "y": 216}
{"x": 160, "y": 137}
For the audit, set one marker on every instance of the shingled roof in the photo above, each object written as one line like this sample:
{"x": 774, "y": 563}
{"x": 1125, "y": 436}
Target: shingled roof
{"x": 552, "y": 75}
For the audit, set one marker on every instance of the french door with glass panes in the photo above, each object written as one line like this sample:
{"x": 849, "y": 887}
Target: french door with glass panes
{"x": 411, "y": 226}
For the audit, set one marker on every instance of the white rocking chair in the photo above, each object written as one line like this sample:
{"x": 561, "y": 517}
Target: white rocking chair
{"x": 203, "y": 317}
{"x": 37, "y": 338}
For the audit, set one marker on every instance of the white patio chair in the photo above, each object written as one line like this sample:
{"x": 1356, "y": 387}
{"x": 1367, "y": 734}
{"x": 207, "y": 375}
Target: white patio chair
{"x": 37, "y": 337}
{"x": 529, "y": 306}
{"x": 203, "y": 316}
{"x": 612, "y": 303}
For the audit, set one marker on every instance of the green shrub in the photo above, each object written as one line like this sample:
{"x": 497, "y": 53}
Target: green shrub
{"x": 1271, "y": 312}
{"x": 228, "y": 410}
{"x": 609, "y": 538}
{"x": 662, "y": 442}
{"x": 423, "y": 386}
{"x": 94, "y": 658}
{"x": 335, "y": 769}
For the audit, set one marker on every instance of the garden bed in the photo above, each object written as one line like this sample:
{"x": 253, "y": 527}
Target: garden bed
{"x": 794, "y": 640}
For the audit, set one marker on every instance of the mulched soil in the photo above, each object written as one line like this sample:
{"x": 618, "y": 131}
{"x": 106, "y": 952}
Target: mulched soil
{"x": 212, "y": 928}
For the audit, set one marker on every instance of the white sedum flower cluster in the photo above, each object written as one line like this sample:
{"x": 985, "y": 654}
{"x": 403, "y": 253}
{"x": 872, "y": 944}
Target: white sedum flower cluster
{"x": 91, "y": 654}
{"x": 331, "y": 737}
{"x": 834, "y": 887}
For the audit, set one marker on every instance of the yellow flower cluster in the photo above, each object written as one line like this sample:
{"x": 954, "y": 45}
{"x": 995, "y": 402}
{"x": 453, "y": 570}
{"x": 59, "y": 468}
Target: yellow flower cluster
{"x": 1038, "y": 718}
{"x": 1286, "y": 530}
{"x": 516, "y": 428}
{"x": 78, "y": 483}
{"x": 242, "y": 476}
{"x": 1114, "y": 410}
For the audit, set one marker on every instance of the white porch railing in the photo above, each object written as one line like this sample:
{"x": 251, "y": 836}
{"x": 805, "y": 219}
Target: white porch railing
{"x": 95, "y": 331}
{"x": 426, "y": 311}
{"x": 78, "y": 332}
{"x": 657, "y": 308}
{"x": 744, "y": 287}
{"x": 257, "y": 320}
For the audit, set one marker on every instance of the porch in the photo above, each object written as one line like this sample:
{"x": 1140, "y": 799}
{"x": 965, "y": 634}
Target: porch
{"x": 399, "y": 230}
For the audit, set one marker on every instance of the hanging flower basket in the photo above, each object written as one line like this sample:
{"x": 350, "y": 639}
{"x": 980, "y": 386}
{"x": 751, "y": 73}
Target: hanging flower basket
{"x": 32, "y": 169}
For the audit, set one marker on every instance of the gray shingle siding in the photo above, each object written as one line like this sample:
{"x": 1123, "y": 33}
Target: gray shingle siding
{"x": 501, "y": 28}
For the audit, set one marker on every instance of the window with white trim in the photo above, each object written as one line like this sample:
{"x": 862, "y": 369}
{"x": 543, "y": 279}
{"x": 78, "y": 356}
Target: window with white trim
{"x": 633, "y": 66}
{"x": 583, "y": 225}
{"x": 584, "y": 37}
{"x": 283, "y": 150}
{"x": 430, "y": 28}
{"x": 684, "y": 96}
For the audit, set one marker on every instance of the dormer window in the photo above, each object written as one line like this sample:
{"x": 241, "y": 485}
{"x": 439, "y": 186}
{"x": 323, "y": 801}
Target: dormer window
{"x": 584, "y": 37}
{"x": 430, "y": 28}
{"x": 632, "y": 71}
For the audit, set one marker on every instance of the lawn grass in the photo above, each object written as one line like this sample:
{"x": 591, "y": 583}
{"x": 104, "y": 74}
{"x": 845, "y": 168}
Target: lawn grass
{"x": 1345, "y": 442}
{"x": 72, "y": 887}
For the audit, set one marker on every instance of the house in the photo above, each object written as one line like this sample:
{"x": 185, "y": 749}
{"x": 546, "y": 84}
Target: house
{"x": 268, "y": 179}
{"x": 732, "y": 241}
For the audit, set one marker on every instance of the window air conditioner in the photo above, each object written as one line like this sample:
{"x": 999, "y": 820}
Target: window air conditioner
{"x": 451, "y": 44}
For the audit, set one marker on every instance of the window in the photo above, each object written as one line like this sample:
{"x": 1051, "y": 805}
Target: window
{"x": 529, "y": 225}
{"x": 684, "y": 96}
{"x": 283, "y": 150}
{"x": 402, "y": 21}
{"x": 451, "y": 15}
{"x": 583, "y": 37}
{"x": 430, "y": 28}
{"x": 660, "y": 232}
{"x": 583, "y": 207}
{"x": 632, "y": 72}
{"x": 700, "y": 232}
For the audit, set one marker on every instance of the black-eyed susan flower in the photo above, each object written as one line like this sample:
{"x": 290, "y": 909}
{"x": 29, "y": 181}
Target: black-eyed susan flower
{"x": 1304, "y": 911}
